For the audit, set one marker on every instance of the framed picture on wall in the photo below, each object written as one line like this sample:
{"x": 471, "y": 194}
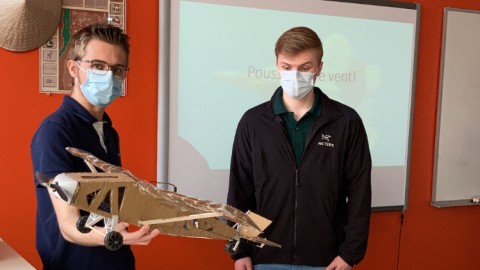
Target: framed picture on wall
{"x": 76, "y": 14}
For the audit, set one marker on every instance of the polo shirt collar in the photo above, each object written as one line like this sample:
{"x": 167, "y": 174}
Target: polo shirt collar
{"x": 279, "y": 107}
{"x": 73, "y": 106}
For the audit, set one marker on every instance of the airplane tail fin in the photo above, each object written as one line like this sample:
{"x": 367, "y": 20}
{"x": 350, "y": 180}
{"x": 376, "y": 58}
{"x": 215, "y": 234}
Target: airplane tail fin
{"x": 260, "y": 221}
{"x": 256, "y": 227}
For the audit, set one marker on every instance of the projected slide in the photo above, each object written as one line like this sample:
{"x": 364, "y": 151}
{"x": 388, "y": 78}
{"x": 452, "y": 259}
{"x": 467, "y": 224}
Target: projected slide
{"x": 223, "y": 63}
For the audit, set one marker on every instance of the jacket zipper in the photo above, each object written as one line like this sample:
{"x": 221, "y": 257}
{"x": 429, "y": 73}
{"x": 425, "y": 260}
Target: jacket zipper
{"x": 297, "y": 185}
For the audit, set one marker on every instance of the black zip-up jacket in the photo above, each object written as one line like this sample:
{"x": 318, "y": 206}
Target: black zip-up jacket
{"x": 319, "y": 210}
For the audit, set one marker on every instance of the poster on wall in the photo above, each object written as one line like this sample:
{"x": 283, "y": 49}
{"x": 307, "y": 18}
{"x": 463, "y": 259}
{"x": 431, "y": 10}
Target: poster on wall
{"x": 76, "y": 14}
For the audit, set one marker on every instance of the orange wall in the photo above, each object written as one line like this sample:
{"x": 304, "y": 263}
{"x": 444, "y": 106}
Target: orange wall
{"x": 430, "y": 238}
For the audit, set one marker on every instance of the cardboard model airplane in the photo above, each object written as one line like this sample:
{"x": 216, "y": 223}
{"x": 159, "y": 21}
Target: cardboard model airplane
{"x": 115, "y": 195}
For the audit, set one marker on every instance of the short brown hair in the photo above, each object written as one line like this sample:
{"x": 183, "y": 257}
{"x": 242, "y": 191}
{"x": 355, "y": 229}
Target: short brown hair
{"x": 297, "y": 40}
{"x": 100, "y": 31}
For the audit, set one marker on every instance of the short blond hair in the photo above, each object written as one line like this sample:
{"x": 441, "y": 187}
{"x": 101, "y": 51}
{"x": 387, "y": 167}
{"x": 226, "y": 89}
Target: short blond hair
{"x": 299, "y": 39}
{"x": 100, "y": 31}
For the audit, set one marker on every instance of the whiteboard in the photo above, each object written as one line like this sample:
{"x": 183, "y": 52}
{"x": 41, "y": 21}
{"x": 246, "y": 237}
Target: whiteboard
{"x": 457, "y": 158}
{"x": 221, "y": 62}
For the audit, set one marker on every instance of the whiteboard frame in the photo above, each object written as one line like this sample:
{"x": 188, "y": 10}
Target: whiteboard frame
{"x": 436, "y": 185}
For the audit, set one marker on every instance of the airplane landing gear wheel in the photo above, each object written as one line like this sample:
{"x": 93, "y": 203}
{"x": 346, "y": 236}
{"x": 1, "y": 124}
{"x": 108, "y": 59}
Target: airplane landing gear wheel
{"x": 81, "y": 224}
{"x": 113, "y": 241}
{"x": 230, "y": 247}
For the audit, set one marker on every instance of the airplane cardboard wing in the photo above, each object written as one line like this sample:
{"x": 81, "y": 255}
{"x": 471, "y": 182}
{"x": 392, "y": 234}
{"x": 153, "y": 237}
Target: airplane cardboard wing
{"x": 117, "y": 193}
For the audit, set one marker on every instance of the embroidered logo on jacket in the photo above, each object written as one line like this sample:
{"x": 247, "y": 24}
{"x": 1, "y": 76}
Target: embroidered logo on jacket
{"x": 325, "y": 141}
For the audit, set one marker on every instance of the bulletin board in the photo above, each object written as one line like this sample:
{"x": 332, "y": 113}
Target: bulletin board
{"x": 457, "y": 158}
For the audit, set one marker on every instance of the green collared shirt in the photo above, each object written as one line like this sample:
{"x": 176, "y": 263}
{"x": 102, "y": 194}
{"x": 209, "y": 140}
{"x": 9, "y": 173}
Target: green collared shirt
{"x": 297, "y": 130}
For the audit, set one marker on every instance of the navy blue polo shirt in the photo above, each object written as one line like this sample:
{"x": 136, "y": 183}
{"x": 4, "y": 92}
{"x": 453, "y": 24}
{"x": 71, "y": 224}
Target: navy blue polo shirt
{"x": 71, "y": 125}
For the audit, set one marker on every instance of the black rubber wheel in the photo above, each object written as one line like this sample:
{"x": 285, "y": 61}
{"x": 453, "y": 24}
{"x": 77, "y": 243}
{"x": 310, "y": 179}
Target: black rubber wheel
{"x": 113, "y": 241}
{"x": 81, "y": 224}
{"x": 229, "y": 247}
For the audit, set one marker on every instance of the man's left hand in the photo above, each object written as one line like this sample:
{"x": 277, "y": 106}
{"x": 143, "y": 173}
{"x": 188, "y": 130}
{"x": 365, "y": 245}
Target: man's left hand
{"x": 338, "y": 264}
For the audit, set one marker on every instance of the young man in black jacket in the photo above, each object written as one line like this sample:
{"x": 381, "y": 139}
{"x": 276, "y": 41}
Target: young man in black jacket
{"x": 302, "y": 160}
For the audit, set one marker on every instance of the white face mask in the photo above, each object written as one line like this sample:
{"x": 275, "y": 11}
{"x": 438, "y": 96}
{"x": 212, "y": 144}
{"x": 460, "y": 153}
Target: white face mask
{"x": 297, "y": 84}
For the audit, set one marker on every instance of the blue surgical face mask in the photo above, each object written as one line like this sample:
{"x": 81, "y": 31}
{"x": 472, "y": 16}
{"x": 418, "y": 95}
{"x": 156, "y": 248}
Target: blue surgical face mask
{"x": 296, "y": 84}
{"x": 101, "y": 89}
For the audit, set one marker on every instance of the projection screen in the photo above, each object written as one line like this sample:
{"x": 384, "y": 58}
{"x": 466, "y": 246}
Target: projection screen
{"x": 221, "y": 62}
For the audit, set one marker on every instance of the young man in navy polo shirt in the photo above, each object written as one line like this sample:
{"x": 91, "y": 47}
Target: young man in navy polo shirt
{"x": 98, "y": 64}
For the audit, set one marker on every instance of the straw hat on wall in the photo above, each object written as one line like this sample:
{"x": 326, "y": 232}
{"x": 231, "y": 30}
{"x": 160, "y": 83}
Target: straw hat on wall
{"x": 28, "y": 24}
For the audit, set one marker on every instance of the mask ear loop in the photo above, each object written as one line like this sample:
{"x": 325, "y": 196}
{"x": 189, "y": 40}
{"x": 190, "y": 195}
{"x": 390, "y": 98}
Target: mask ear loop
{"x": 84, "y": 70}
